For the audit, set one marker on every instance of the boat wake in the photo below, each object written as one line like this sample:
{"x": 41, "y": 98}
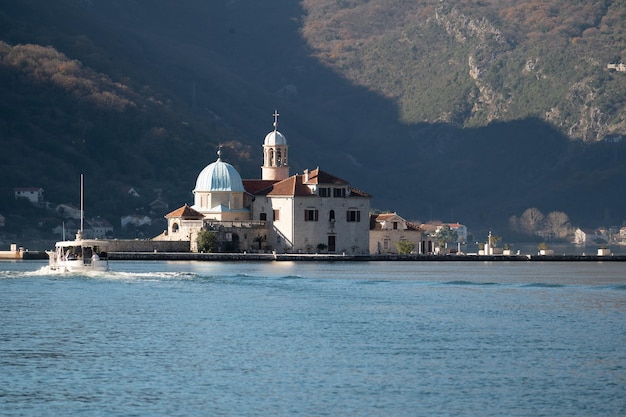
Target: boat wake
{"x": 47, "y": 272}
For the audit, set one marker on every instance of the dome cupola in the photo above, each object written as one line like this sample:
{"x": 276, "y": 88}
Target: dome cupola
{"x": 219, "y": 176}
{"x": 275, "y": 138}
{"x": 219, "y": 192}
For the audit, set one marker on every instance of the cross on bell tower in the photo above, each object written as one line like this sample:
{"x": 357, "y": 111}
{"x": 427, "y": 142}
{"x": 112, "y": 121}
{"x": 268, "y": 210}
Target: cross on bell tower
{"x": 276, "y": 120}
{"x": 275, "y": 149}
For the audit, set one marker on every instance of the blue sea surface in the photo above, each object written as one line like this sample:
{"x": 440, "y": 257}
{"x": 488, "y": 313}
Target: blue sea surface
{"x": 314, "y": 339}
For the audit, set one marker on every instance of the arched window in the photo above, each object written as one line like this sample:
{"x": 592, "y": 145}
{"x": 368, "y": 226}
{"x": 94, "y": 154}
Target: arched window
{"x": 331, "y": 216}
{"x": 175, "y": 227}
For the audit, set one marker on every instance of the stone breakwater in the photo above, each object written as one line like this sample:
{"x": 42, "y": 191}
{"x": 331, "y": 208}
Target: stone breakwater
{"x": 270, "y": 257}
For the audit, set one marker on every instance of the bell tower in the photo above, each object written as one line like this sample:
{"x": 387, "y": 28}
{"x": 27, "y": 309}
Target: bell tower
{"x": 275, "y": 154}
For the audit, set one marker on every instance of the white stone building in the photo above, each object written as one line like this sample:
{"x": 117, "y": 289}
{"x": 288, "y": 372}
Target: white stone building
{"x": 313, "y": 212}
{"x": 387, "y": 229}
{"x": 303, "y": 213}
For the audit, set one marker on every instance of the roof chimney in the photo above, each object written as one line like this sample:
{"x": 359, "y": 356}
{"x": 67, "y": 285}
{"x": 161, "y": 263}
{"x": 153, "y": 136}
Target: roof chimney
{"x": 306, "y": 175}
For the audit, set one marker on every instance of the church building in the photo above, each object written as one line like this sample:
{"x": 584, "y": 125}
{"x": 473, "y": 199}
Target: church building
{"x": 302, "y": 213}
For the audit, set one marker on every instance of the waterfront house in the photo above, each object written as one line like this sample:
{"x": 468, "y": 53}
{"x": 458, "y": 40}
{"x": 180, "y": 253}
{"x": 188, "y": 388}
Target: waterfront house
{"x": 388, "y": 229}
{"x": 588, "y": 236}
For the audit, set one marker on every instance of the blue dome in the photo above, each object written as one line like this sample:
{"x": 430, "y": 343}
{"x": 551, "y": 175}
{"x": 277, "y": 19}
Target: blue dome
{"x": 219, "y": 176}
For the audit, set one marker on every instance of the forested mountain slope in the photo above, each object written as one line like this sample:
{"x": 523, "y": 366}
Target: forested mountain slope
{"x": 460, "y": 110}
{"x": 473, "y": 62}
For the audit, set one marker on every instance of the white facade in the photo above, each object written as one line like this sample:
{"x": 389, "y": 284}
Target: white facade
{"x": 98, "y": 229}
{"x": 315, "y": 212}
{"x": 580, "y": 236}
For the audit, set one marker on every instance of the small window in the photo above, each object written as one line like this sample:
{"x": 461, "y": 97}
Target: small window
{"x": 263, "y": 217}
{"x": 324, "y": 192}
{"x": 353, "y": 216}
{"x": 339, "y": 192}
{"x": 276, "y": 215}
{"x": 395, "y": 225}
{"x": 311, "y": 215}
{"x": 331, "y": 216}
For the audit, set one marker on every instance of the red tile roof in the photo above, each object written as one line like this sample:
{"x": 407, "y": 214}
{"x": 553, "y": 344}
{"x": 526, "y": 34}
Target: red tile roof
{"x": 291, "y": 187}
{"x": 413, "y": 226}
{"x": 185, "y": 212}
{"x": 256, "y": 186}
{"x": 386, "y": 216}
{"x": 297, "y": 186}
{"x": 317, "y": 176}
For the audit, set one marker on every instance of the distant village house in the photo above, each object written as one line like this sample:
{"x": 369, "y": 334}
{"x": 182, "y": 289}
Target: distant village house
{"x": 130, "y": 191}
{"x": 32, "y": 194}
{"x": 433, "y": 228}
{"x": 68, "y": 211}
{"x": 589, "y": 236}
{"x": 621, "y": 67}
{"x": 135, "y": 220}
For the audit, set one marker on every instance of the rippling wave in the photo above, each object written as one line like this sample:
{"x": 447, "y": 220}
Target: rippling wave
{"x": 384, "y": 339}
{"x": 462, "y": 282}
{"x": 544, "y": 285}
{"x": 243, "y": 277}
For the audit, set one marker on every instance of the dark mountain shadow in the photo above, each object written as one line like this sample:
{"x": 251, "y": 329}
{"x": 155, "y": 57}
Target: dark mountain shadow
{"x": 225, "y": 66}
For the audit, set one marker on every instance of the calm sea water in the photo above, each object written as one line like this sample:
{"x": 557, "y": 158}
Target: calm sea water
{"x": 314, "y": 339}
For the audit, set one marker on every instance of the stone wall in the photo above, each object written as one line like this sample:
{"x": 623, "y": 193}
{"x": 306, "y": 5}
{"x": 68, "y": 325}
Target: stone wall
{"x": 148, "y": 246}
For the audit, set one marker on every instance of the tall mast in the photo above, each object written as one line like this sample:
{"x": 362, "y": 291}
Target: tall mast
{"x": 81, "y": 204}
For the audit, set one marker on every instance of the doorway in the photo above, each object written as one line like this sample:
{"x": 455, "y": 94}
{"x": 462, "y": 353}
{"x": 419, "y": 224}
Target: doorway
{"x": 331, "y": 243}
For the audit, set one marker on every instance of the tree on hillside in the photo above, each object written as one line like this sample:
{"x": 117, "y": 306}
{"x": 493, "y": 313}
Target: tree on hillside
{"x": 556, "y": 223}
{"x": 530, "y": 221}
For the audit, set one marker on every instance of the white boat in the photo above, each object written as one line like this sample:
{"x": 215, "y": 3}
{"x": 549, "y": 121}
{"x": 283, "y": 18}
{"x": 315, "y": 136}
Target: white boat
{"x": 79, "y": 255}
